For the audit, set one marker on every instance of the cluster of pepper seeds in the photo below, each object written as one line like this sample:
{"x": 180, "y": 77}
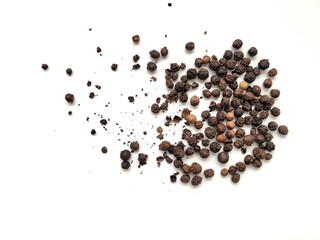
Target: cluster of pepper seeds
{"x": 233, "y": 105}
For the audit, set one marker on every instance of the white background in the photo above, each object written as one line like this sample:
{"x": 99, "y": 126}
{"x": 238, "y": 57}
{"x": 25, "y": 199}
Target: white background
{"x": 54, "y": 181}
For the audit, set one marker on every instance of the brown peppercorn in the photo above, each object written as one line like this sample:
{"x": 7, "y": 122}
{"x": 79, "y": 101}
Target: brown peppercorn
{"x": 204, "y": 153}
{"x": 154, "y": 54}
{"x": 142, "y": 158}
{"x": 221, "y": 138}
{"x": 198, "y": 124}
{"x": 283, "y": 130}
{"x": 194, "y": 101}
{"x": 229, "y": 116}
{"x": 134, "y": 146}
{"x": 191, "y": 118}
{"x": 238, "y": 143}
{"x": 185, "y": 168}
{"x": 104, "y": 149}
{"x": 252, "y": 51}
{"x": 232, "y": 170}
{"x": 206, "y": 93}
{"x": 221, "y": 128}
{"x": 240, "y": 133}
{"x": 210, "y": 132}
{"x": 178, "y": 163}
{"x": 272, "y": 72}
{"x": 230, "y": 125}
{"x": 275, "y": 111}
{"x": 136, "y": 38}
{"x": 244, "y": 85}
{"x": 257, "y": 163}
{"x": 227, "y": 147}
{"x": 267, "y": 83}
{"x": 189, "y": 46}
{"x": 205, "y": 142}
{"x": 44, "y": 66}
{"x": 248, "y": 139}
{"x": 230, "y": 134}
{"x": 196, "y": 180}
{"x": 205, "y": 114}
{"x": 69, "y": 98}
{"x": 151, "y": 66}
{"x": 235, "y": 178}
{"x": 164, "y": 145}
{"x": 178, "y": 152}
{"x": 246, "y": 61}
{"x": 208, "y": 173}
{"x": 268, "y": 156}
{"x": 155, "y": 108}
{"x": 125, "y": 155}
{"x": 238, "y": 55}
{"x": 164, "y": 51}
{"x": 275, "y": 93}
{"x": 136, "y": 58}
{"x": 190, "y": 151}
{"x": 259, "y": 153}
{"x": 198, "y": 62}
{"x": 196, "y": 168}
{"x": 248, "y": 159}
{"x": 185, "y": 178}
{"x": 240, "y": 166}
{"x": 259, "y": 138}
{"x": 224, "y": 172}
{"x": 206, "y": 59}
{"x": 223, "y": 157}
{"x": 114, "y": 66}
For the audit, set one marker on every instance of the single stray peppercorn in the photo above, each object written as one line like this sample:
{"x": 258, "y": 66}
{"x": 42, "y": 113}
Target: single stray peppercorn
{"x": 154, "y": 54}
{"x": 237, "y": 44}
{"x": 208, "y": 173}
{"x": 263, "y": 64}
{"x": 104, "y": 149}
{"x": 189, "y": 46}
{"x": 69, "y": 97}
{"x": 224, "y": 172}
{"x": 136, "y": 38}
{"x": 283, "y": 130}
{"x": 114, "y": 66}
{"x": 252, "y": 51}
{"x": 69, "y": 71}
{"x": 44, "y": 66}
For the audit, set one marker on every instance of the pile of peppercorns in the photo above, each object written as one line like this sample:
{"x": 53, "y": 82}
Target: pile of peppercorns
{"x": 235, "y": 103}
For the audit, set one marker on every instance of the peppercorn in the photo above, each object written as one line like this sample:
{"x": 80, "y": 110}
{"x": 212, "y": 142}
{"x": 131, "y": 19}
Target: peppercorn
{"x": 178, "y": 152}
{"x": 69, "y": 71}
{"x": 228, "y": 54}
{"x": 238, "y": 55}
{"x": 189, "y": 151}
{"x": 134, "y": 146}
{"x": 257, "y": 163}
{"x": 203, "y": 74}
{"x": 275, "y": 93}
{"x": 248, "y": 159}
{"x": 195, "y": 168}
{"x": 125, "y": 155}
{"x": 230, "y": 134}
{"x": 237, "y": 44}
{"x": 224, "y": 172}
{"x": 189, "y": 46}
{"x": 220, "y": 116}
{"x": 136, "y": 38}
{"x": 248, "y": 140}
{"x": 267, "y": 83}
{"x": 252, "y": 51}
{"x": 164, "y": 145}
{"x": 238, "y": 112}
{"x": 238, "y": 143}
{"x": 215, "y": 93}
{"x": 44, "y": 66}
{"x": 185, "y": 178}
{"x": 164, "y": 105}
{"x": 205, "y": 114}
{"x": 246, "y": 61}
{"x": 232, "y": 170}
{"x": 272, "y": 72}
{"x": 114, "y": 66}
{"x": 155, "y": 108}
{"x": 192, "y": 73}
{"x": 194, "y": 101}
{"x": 239, "y": 122}
{"x": 125, "y": 164}
{"x": 259, "y": 153}
{"x": 151, "y": 66}
{"x": 263, "y": 129}
{"x": 208, "y": 85}
{"x": 173, "y": 178}
{"x": 198, "y": 62}
{"x": 206, "y": 59}
{"x": 256, "y": 121}
{"x": 164, "y": 51}
{"x": 240, "y": 133}
{"x": 230, "y": 125}
{"x": 283, "y": 130}
{"x": 205, "y": 142}
{"x": 91, "y": 95}
{"x": 196, "y": 180}
{"x": 263, "y": 64}
{"x": 142, "y": 158}
{"x": 235, "y": 178}
{"x": 191, "y": 118}
{"x": 256, "y": 90}
{"x": 223, "y": 157}
{"x": 178, "y": 163}
{"x": 227, "y": 147}
{"x": 220, "y": 128}
{"x": 275, "y": 111}
{"x": 69, "y": 98}
{"x": 208, "y": 173}
{"x": 268, "y": 156}
{"x": 136, "y": 58}
{"x": 264, "y": 114}
{"x": 154, "y": 54}
{"x": 193, "y": 141}
{"x": 104, "y": 149}
{"x": 198, "y": 124}
{"x": 259, "y": 138}
{"x": 249, "y": 77}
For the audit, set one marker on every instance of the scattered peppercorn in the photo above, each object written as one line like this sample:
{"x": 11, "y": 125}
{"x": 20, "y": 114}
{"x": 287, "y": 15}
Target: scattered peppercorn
{"x": 69, "y": 71}
{"x": 125, "y": 155}
{"x": 189, "y": 46}
{"x": 267, "y": 83}
{"x": 272, "y": 72}
{"x": 114, "y": 66}
{"x": 185, "y": 178}
{"x": 69, "y": 97}
{"x": 195, "y": 168}
{"x": 208, "y": 173}
{"x": 252, "y": 51}
{"x": 44, "y": 66}
{"x": 237, "y": 44}
{"x": 196, "y": 180}
{"x": 93, "y": 132}
{"x": 223, "y": 157}
{"x": 235, "y": 178}
{"x": 154, "y": 54}
{"x": 283, "y": 130}
{"x": 134, "y": 146}
{"x": 151, "y": 66}
{"x": 136, "y": 38}
{"x": 164, "y": 51}
{"x": 263, "y": 64}
{"x": 104, "y": 149}
{"x": 125, "y": 164}
{"x": 224, "y": 172}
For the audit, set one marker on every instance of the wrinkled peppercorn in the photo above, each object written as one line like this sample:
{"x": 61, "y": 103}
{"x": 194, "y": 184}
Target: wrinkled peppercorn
{"x": 178, "y": 163}
{"x": 164, "y": 51}
{"x": 241, "y": 167}
{"x": 275, "y": 93}
{"x": 114, "y": 66}
{"x": 178, "y": 152}
{"x": 185, "y": 178}
{"x": 263, "y": 64}
{"x": 196, "y": 168}
{"x": 189, "y": 46}
{"x": 257, "y": 163}
{"x": 272, "y": 72}
{"x": 164, "y": 145}
{"x": 151, "y": 66}
{"x": 196, "y": 180}
{"x": 204, "y": 153}
{"x": 44, "y": 66}
{"x": 154, "y": 54}
{"x": 224, "y": 172}
{"x": 69, "y": 71}
{"x": 283, "y": 130}
{"x": 134, "y": 146}
{"x": 237, "y": 44}
{"x": 275, "y": 111}
{"x": 208, "y": 173}
{"x": 192, "y": 73}
{"x": 228, "y": 54}
{"x": 142, "y": 158}
{"x": 235, "y": 178}
{"x": 259, "y": 153}
{"x": 125, "y": 155}
{"x": 232, "y": 170}
{"x": 203, "y": 74}
{"x": 136, "y": 38}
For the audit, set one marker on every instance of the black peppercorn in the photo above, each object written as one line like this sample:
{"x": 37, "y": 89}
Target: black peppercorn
{"x": 228, "y": 54}
{"x": 164, "y": 51}
{"x": 136, "y": 38}
{"x": 259, "y": 153}
{"x": 215, "y": 147}
{"x": 195, "y": 168}
{"x": 185, "y": 178}
{"x": 151, "y": 66}
{"x": 224, "y": 172}
{"x": 196, "y": 180}
{"x": 238, "y": 55}
{"x": 203, "y": 74}
{"x": 249, "y": 77}
{"x": 275, "y": 111}
{"x": 192, "y": 73}
{"x": 267, "y": 83}
{"x": 69, "y": 71}
{"x": 237, "y": 44}
{"x": 125, "y": 155}
{"x": 154, "y": 54}
{"x": 208, "y": 173}
{"x": 69, "y": 98}
{"x": 248, "y": 159}
{"x": 257, "y": 163}
{"x": 104, "y": 149}
{"x": 240, "y": 166}
{"x": 263, "y": 64}
{"x": 189, "y": 46}
{"x": 44, "y": 66}
{"x": 272, "y": 72}
{"x": 275, "y": 93}
{"x": 235, "y": 178}
{"x": 252, "y": 51}
{"x": 125, "y": 164}
{"x": 223, "y": 157}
